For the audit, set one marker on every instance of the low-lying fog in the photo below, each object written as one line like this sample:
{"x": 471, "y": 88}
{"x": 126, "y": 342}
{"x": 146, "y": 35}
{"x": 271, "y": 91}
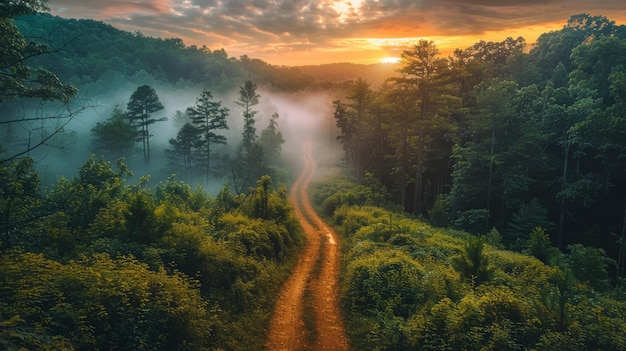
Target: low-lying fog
{"x": 300, "y": 115}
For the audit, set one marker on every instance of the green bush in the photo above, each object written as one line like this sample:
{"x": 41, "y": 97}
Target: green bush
{"x": 409, "y": 286}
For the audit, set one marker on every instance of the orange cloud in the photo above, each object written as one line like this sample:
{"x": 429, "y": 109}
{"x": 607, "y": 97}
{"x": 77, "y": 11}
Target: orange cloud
{"x": 301, "y": 32}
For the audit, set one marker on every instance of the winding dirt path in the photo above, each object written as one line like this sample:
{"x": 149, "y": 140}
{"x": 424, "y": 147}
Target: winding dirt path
{"x": 316, "y": 275}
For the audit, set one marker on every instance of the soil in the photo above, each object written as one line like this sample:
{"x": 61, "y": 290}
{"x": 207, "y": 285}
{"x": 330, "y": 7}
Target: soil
{"x": 314, "y": 284}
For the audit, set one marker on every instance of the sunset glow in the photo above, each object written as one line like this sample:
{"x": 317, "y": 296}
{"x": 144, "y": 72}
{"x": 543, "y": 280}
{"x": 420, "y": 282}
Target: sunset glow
{"x": 326, "y": 31}
{"x": 390, "y": 60}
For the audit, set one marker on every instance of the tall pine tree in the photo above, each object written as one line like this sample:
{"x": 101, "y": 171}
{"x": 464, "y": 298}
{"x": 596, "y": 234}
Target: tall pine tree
{"x": 142, "y": 104}
{"x": 208, "y": 116}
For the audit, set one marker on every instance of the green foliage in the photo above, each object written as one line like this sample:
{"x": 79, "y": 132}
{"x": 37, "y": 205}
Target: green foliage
{"x": 494, "y": 238}
{"x": 473, "y": 264}
{"x": 272, "y": 141}
{"x": 539, "y": 245}
{"x": 19, "y": 196}
{"x": 101, "y": 264}
{"x": 524, "y": 221}
{"x": 385, "y": 283}
{"x": 98, "y": 303}
{"x": 114, "y": 138}
{"x": 438, "y": 215}
{"x": 474, "y": 221}
{"x": 18, "y": 79}
{"x": 140, "y": 221}
{"x": 208, "y": 117}
{"x": 331, "y": 195}
{"x": 25, "y": 83}
{"x": 589, "y": 265}
{"x": 409, "y": 286}
{"x": 96, "y": 186}
{"x": 143, "y": 102}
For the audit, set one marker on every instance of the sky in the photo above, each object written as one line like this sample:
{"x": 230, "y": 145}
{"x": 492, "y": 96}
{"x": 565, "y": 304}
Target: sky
{"x": 303, "y": 32}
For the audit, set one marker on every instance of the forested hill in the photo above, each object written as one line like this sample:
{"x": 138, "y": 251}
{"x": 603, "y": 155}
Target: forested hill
{"x": 343, "y": 72}
{"x": 85, "y": 51}
{"x": 504, "y": 135}
{"x": 409, "y": 286}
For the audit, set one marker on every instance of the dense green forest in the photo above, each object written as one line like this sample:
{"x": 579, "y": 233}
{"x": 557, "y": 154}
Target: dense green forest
{"x": 107, "y": 260}
{"x": 411, "y": 286}
{"x": 503, "y": 135}
{"x": 81, "y": 54}
{"x": 95, "y": 263}
{"x": 500, "y": 146}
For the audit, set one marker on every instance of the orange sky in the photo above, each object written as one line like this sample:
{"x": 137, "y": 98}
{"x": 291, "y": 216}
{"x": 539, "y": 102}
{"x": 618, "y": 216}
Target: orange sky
{"x": 300, "y": 32}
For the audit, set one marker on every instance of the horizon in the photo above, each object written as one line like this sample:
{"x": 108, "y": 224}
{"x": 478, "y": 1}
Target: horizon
{"x": 299, "y": 33}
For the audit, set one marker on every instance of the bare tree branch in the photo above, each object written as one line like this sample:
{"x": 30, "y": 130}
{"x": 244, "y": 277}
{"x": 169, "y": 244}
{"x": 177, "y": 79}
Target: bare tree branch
{"x": 63, "y": 119}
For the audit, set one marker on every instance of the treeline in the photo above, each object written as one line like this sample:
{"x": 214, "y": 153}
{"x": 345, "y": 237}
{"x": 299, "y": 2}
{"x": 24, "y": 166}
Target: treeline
{"x": 193, "y": 154}
{"x": 499, "y": 136}
{"x": 94, "y": 263}
{"x": 410, "y": 286}
{"x": 87, "y": 51}
{"x": 39, "y": 107}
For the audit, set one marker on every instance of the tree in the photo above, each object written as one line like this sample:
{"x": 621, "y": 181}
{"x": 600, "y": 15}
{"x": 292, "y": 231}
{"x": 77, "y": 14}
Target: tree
{"x": 473, "y": 264}
{"x": 351, "y": 118}
{"x": 20, "y": 81}
{"x": 437, "y": 215}
{"x": 19, "y": 195}
{"x": 183, "y": 149}
{"x": 342, "y": 120}
{"x": 525, "y": 221}
{"x": 82, "y": 197}
{"x": 589, "y": 265}
{"x": 555, "y": 48}
{"x": 494, "y": 168}
{"x": 115, "y": 137}
{"x": 402, "y": 111}
{"x": 248, "y": 98}
{"x": 538, "y": 245}
{"x": 360, "y": 97}
{"x": 180, "y": 118}
{"x": 248, "y": 164}
{"x": 425, "y": 73}
{"x": 272, "y": 140}
{"x": 208, "y": 116}
{"x": 142, "y": 103}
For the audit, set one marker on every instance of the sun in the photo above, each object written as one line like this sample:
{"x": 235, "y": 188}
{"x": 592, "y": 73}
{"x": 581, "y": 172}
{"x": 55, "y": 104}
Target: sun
{"x": 390, "y": 60}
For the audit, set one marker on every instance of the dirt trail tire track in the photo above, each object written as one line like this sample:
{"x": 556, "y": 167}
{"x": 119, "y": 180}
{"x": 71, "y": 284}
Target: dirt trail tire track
{"x": 287, "y": 331}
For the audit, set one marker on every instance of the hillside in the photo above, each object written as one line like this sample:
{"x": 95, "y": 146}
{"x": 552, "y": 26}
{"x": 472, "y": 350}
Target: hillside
{"x": 87, "y": 51}
{"x": 409, "y": 286}
{"x": 341, "y": 72}
{"x": 96, "y": 263}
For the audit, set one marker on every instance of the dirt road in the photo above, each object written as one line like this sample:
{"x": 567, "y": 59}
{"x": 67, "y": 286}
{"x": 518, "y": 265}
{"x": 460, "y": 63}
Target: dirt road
{"x": 314, "y": 283}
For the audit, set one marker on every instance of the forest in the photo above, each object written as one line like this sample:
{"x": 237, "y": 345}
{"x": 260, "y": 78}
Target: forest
{"x": 480, "y": 197}
{"x": 503, "y": 136}
{"x": 408, "y": 285}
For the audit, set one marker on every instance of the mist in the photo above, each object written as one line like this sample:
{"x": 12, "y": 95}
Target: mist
{"x": 301, "y": 115}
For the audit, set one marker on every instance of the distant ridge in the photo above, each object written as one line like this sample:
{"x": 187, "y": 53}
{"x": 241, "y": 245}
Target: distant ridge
{"x": 344, "y": 71}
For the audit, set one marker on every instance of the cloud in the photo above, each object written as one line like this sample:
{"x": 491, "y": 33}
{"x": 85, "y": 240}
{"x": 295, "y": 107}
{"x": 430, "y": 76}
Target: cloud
{"x": 266, "y": 28}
